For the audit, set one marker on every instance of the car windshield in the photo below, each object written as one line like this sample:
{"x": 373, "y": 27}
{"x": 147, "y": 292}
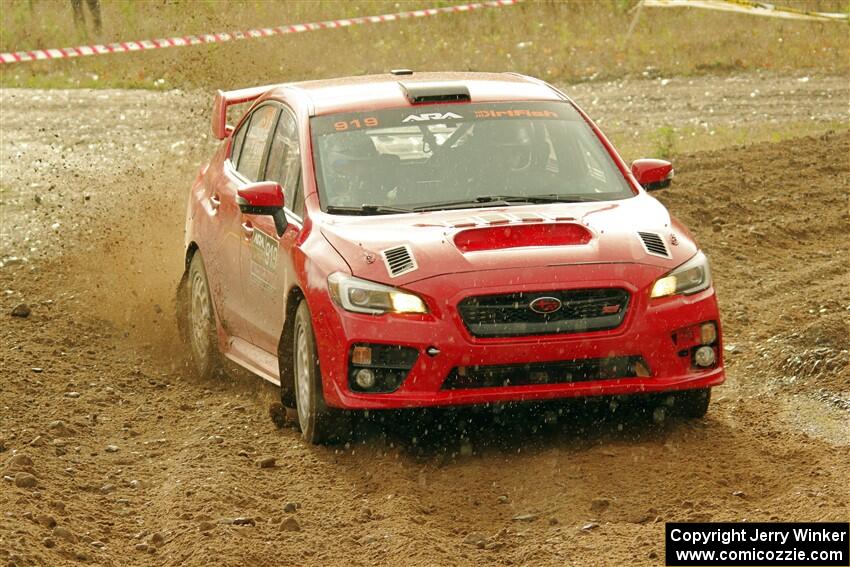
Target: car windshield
{"x": 460, "y": 155}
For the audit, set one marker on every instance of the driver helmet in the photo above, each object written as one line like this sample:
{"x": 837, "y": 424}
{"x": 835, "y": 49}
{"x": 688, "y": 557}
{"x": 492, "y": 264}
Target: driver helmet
{"x": 351, "y": 153}
{"x": 507, "y": 143}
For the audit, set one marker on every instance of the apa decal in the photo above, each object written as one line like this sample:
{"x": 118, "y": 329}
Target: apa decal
{"x": 432, "y": 116}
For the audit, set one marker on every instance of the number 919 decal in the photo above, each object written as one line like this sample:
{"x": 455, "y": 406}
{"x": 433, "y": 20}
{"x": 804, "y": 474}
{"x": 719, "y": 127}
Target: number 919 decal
{"x": 355, "y": 124}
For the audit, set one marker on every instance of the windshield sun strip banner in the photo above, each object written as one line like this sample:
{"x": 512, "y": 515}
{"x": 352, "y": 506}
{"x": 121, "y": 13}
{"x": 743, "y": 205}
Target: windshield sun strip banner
{"x": 441, "y": 114}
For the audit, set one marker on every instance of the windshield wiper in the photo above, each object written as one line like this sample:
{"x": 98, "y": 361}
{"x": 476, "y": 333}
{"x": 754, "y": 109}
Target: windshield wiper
{"x": 483, "y": 201}
{"x": 548, "y": 198}
{"x": 366, "y": 210}
{"x": 501, "y": 200}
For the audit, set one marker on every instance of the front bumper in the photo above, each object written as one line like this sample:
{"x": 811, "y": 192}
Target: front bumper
{"x": 646, "y": 332}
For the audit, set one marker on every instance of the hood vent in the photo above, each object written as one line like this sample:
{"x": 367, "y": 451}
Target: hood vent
{"x": 429, "y": 93}
{"x": 653, "y": 243}
{"x": 399, "y": 260}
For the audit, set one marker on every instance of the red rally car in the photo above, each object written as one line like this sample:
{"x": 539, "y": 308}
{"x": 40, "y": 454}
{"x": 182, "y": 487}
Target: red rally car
{"x": 433, "y": 239}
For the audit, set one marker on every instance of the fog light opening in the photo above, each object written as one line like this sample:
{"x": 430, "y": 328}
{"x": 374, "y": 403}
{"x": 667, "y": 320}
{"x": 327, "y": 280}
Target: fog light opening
{"x": 365, "y": 378}
{"x": 704, "y": 356}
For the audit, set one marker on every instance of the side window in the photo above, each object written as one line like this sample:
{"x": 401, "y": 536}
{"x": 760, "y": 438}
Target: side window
{"x": 236, "y": 148}
{"x": 284, "y": 164}
{"x": 254, "y": 147}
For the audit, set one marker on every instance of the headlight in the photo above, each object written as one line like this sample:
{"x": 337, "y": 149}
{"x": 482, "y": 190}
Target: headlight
{"x": 362, "y": 296}
{"x": 691, "y": 277}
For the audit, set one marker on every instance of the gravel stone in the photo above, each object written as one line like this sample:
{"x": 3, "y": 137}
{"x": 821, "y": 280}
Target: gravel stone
{"x": 46, "y": 520}
{"x": 476, "y": 538}
{"x": 64, "y": 533}
{"x": 25, "y": 480}
{"x": 599, "y": 505}
{"x": 21, "y": 310}
{"x": 20, "y": 461}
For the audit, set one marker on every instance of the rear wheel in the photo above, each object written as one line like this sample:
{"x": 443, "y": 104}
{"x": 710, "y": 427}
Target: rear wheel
{"x": 319, "y": 423}
{"x": 692, "y": 404}
{"x": 200, "y": 321}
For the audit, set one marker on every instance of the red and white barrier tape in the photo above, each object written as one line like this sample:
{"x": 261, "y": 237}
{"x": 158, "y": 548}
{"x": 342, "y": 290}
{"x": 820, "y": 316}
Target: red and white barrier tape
{"x": 750, "y": 7}
{"x": 147, "y": 44}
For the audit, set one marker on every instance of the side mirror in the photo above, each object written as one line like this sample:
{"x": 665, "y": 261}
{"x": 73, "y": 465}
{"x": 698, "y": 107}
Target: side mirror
{"x": 263, "y": 198}
{"x": 653, "y": 174}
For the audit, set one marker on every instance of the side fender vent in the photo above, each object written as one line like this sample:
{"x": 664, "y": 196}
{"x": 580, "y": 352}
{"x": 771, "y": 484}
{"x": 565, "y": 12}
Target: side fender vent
{"x": 399, "y": 260}
{"x": 654, "y": 244}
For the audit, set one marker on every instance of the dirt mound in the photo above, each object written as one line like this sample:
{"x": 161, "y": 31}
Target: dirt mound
{"x": 775, "y": 225}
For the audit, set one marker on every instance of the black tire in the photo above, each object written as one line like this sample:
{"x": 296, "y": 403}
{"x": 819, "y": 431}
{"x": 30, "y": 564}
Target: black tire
{"x": 692, "y": 404}
{"x": 319, "y": 423}
{"x": 200, "y": 321}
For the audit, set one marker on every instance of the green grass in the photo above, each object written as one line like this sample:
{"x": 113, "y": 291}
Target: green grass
{"x": 560, "y": 41}
{"x": 664, "y": 139}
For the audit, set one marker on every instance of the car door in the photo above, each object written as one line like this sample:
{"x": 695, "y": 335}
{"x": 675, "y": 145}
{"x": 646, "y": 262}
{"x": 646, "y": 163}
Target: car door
{"x": 267, "y": 267}
{"x": 247, "y": 158}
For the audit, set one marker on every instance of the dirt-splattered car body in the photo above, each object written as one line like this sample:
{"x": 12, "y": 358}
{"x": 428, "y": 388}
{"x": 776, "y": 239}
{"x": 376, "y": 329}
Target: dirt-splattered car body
{"x": 519, "y": 301}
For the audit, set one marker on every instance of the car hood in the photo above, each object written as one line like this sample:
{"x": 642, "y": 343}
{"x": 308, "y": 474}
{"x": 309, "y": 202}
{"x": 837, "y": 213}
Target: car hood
{"x": 400, "y": 249}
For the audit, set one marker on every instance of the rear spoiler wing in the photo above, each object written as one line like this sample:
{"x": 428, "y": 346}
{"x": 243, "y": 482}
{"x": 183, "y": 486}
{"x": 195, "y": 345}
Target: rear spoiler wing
{"x": 224, "y": 100}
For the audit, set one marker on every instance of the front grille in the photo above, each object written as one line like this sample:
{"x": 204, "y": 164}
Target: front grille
{"x": 511, "y": 315}
{"x": 562, "y": 372}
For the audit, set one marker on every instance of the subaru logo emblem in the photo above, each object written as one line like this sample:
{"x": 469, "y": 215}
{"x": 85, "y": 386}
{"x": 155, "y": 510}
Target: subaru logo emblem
{"x": 545, "y": 305}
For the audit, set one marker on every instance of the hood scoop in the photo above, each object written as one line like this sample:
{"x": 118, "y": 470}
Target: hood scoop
{"x": 654, "y": 244}
{"x": 399, "y": 260}
{"x": 521, "y": 236}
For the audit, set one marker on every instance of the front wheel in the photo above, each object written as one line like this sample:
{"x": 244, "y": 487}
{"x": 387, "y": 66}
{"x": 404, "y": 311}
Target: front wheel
{"x": 319, "y": 423}
{"x": 692, "y": 404}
